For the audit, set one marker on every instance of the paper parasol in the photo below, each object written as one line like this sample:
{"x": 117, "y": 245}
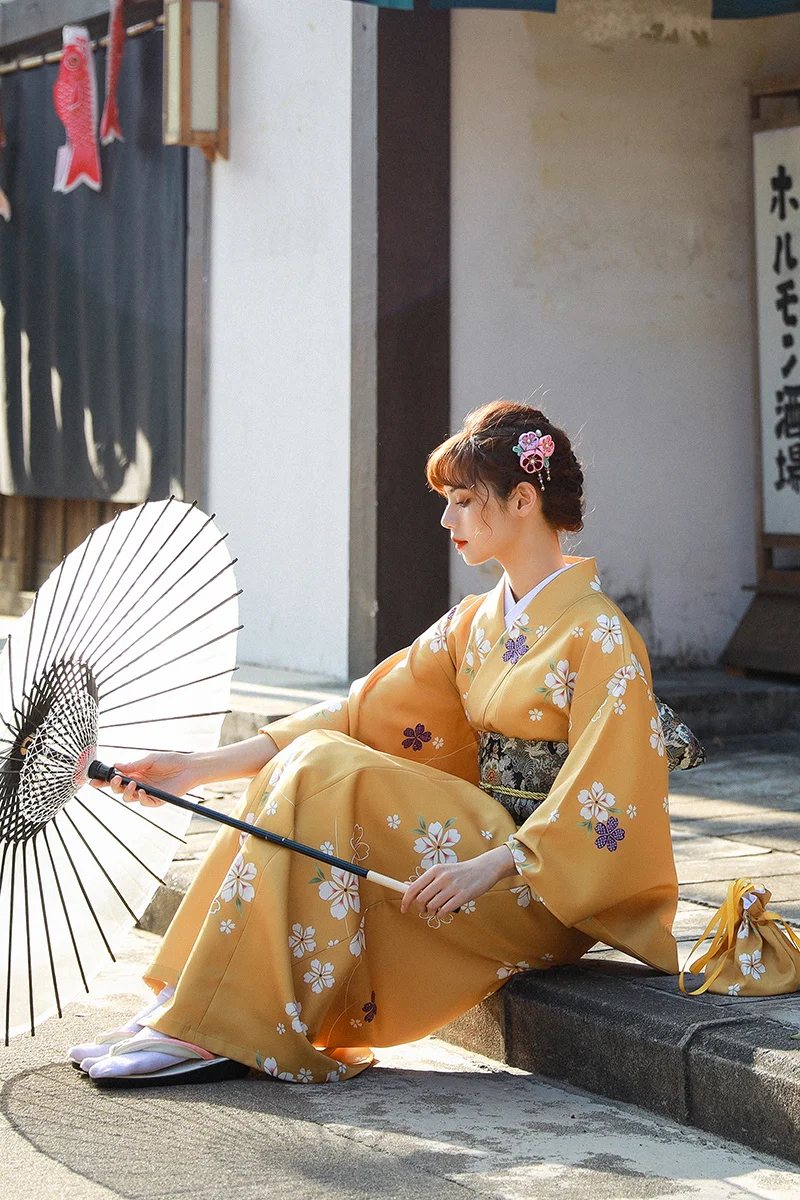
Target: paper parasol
{"x": 128, "y": 647}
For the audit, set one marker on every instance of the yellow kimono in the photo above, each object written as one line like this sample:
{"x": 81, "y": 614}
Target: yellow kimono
{"x": 297, "y": 968}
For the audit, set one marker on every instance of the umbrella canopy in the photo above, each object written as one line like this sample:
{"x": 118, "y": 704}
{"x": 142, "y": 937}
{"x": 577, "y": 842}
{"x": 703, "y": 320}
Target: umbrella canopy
{"x": 128, "y": 647}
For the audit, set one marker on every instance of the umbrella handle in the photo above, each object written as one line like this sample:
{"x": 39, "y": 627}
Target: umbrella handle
{"x": 104, "y": 773}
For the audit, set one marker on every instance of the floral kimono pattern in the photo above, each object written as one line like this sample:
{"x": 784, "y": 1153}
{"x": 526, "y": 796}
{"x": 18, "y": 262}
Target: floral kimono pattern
{"x": 298, "y": 968}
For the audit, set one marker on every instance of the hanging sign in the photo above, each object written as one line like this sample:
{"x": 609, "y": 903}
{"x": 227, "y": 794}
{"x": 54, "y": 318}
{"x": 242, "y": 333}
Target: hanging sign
{"x": 109, "y": 122}
{"x": 5, "y": 207}
{"x": 75, "y": 98}
{"x": 777, "y": 220}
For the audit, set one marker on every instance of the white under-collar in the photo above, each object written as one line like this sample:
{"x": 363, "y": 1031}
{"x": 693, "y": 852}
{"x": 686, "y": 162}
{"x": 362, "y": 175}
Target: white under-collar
{"x": 513, "y": 608}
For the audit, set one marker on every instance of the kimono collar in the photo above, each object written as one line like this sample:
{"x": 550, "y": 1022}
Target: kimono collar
{"x": 513, "y": 608}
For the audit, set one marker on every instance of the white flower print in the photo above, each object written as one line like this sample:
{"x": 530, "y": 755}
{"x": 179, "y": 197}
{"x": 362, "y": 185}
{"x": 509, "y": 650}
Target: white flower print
{"x": 334, "y": 706}
{"x": 358, "y": 941}
{"x": 394, "y": 821}
{"x": 469, "y": 907}
{"x": 342, "y": 892}
{"x": 355, "y": 1023}
{"x": 608, "y": 633}
{"x": 275, "y": 777}
{"x": 523, "y": 895}
{"x": 541, "y": 630}
{"x": 509, "y": 969}
{"x": 238, "y": 880}
{"x": 328, "y": 848}
{"x": 638, "y": 668}
{"x": 280, "y": 1028}
{"x": 618, "y": 683}
{"x": 535, "y": 714}
{"x": 520, "y": 625}
{"x": 482, "y": 644}
{"x": 577, "y": 632}
{"x": 302, "y": 941}
{"x": 517, "y": 853}
{"x": 304, "y": 1076}
{"x": 665, "y": 804}
{"x": 334, "y": 941}
{"x": 596, "y": 585}
{"x": 438, "y": 743}
{"x": 631, "y": 810}
{"x": 657, "y": 736}
{"x": 319, "y": 976}
{"x": 596, "y": 803}
{"x": 546, "y": 958}
{"x": 271, "y": 807}
{"x": 226, "y": 926}
{"x": 332, "y": 1077}
{"x": 436, "y": 844}
{"x": 293, "y": 1010}
{"x": 562, "y": 682}
{"x": 734, "y": 989}
{"x": 744, "y": 929}
{"x": 619, "y": 707}
{"x": 271, "y": 1068}
{"x": 486, "y": 834}
{"x": 751, "y": 964}
{"x": 250, "y": 819}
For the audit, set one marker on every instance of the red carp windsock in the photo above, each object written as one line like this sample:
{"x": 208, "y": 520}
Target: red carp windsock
{"x": 75, "y": 97}
{"x": 5, "y": 207}
{"x": 109, "y": 123}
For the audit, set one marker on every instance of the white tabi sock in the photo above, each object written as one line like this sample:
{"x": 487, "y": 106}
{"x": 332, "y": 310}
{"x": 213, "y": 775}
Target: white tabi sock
{"x": 135, "y": 1062}
{"x": 95, "y": 1050}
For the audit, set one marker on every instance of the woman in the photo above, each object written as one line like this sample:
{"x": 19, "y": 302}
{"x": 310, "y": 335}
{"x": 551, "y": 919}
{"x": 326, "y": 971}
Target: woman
{"x": 510, "y": 763}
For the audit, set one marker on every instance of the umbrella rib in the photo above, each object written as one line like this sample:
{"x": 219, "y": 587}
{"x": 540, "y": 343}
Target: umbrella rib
{"x": 168, "y": 691}
{"x": 46, "y": 926}
{"x": 223, "y": 712}
{"x": 84, "y": 617}
{"x": 104, "y": 648}
{"x": 165, "y": 617}
{"x": 79, "y": 881}
{"x": 160, "y": 666}
{"x": 100, "y": 865}
{"x": 46, "y": 627}
{"x": 30, "y": 636}
{"x": 28, "y": 935}
{"x": 93, "y": 634}
{"x": 64, "y": 907}
{"x": 75, "y": 578}
{"x": 10, "y": 938}
{"x": 137, "y": 812}
{"x": 132, "y": 853}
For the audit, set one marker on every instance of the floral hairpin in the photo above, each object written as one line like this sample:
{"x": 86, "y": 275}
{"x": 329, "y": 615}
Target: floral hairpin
{"x": 535, "y": 453}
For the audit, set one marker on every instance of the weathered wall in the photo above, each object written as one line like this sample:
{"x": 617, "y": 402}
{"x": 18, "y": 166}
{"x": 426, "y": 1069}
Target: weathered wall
{"x": 280, "y": 330}
{"x": 601, "y": 252}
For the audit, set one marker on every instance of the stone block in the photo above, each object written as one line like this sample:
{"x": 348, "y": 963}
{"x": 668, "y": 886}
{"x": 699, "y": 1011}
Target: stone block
{"x": 701, "y": 871}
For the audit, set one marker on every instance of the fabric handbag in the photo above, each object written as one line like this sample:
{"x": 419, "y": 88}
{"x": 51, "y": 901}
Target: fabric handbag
{"x": 753, "y": 952}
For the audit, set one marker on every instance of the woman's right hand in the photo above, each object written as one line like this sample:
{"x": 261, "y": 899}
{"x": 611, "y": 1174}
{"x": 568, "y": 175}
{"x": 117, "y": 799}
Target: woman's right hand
{"x": 165, "y": 769}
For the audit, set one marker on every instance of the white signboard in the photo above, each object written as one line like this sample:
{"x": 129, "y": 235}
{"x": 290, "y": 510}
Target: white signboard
{"x": 776, "y": 161}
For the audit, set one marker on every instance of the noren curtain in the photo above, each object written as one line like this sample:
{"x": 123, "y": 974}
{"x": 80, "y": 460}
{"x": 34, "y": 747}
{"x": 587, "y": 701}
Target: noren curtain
{"x": 92, "y": 295}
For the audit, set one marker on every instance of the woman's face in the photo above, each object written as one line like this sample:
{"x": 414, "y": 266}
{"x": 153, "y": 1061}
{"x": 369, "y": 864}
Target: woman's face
{"x": 479, "y": 531}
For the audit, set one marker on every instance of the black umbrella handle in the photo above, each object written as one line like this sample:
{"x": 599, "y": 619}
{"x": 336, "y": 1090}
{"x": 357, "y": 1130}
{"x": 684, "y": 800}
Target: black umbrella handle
{"x": 99, "y": 770}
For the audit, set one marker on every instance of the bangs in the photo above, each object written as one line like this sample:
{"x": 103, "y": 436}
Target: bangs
{"x": 453, "y": 464}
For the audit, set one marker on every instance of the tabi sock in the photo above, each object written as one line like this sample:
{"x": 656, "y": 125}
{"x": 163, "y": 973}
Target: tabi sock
{"x": 95, "y": 1050}
{"x": 134, "y": 1062}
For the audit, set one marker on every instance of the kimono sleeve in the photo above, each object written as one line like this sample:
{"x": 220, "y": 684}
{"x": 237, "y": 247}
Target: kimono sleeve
{"x": 409, "y": 706}
{"x": 598, "y": 851}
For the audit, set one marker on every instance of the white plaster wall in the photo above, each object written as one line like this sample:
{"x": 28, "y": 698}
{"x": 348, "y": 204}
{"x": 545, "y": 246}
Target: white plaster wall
{"x": 278, "y": 470}
{"x": 601, "y": 251}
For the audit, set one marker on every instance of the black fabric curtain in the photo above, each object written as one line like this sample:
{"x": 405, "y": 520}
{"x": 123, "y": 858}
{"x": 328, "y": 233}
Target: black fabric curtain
{"x": 92, "y": 294}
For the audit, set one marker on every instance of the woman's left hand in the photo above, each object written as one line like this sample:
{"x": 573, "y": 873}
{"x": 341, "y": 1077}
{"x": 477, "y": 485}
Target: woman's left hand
{"x": 444, "y": 888}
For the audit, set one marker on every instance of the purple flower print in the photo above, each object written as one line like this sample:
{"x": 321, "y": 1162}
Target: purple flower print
{"x": 370, "y": 1009}
{"x": 610, "y": 834}
{"x": 416, "y": 737}
{"x": 515, "y": 648}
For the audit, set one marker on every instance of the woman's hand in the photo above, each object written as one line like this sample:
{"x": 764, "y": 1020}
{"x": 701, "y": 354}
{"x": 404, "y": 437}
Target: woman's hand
{"x": 172, "y": 772}
{"x": 445, "y": 888}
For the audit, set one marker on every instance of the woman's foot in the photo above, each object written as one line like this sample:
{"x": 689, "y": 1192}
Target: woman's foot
{"x": 92, "y": 1051}
{"x": 143, "y": 1058}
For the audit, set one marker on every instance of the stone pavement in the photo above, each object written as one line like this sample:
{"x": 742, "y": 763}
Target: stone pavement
{"x": 429, "y": 1122}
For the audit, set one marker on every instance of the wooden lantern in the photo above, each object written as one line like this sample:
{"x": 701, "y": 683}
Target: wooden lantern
{"x": 196, "y": 73}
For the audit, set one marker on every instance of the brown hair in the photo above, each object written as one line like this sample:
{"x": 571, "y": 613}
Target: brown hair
{"x": 482, "y": 454}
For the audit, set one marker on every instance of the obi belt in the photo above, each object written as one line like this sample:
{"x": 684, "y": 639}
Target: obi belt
{"x": 519, "y": 772}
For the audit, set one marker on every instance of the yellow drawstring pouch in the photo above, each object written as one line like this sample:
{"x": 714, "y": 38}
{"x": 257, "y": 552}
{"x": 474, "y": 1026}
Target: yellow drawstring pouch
{"x": 753, "y": 952}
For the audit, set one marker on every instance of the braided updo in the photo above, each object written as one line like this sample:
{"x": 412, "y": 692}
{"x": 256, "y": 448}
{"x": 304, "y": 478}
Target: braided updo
{"x": 482, "y": 453}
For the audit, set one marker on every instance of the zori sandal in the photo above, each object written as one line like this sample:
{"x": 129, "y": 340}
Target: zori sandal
{"x": 192, "y": 1065}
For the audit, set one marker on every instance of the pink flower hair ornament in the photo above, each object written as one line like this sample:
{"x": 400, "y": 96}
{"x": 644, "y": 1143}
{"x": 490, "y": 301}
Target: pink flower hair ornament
{"x": 535, "y": 453}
